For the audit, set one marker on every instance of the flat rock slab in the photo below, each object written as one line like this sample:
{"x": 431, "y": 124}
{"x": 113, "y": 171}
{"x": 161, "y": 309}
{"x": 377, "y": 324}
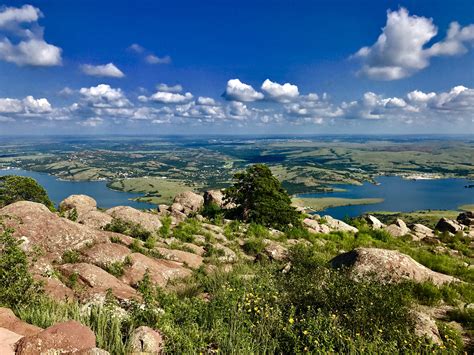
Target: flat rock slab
{"x": 9, "y": 321}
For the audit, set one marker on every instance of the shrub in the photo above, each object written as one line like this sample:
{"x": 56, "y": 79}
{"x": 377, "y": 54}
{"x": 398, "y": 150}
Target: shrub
{"x": 186, "y": 230}
{"x": 19, "y": 188}
{"x": 134, "y": 230}
{"x": 165, "y": 229}
{"x": 17, "y": 286}
{"x": 260, "y": 198}
{"x": 253, "y": 246}
{"x": 212, "y": 211}
{"x": 71, "y": 256}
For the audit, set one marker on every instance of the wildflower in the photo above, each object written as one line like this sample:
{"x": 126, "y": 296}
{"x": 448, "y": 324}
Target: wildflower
{"x": 291, "y": 320}
{"x": 305, "y": 332}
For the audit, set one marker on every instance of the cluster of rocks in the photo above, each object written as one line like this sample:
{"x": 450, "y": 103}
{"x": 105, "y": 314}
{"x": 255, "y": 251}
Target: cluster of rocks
{"x": 70, "y": 337}
{"x": 79, "y": 228}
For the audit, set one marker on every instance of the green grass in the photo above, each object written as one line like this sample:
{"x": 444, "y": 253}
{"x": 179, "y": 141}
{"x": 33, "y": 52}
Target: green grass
{"x": 466, "y": 208}
{"x": 320, "y": 204}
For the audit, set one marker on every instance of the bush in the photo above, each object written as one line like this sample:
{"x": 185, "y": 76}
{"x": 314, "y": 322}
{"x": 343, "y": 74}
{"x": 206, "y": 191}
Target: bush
{"x": 253, "y": 246}
{"x": 165, "y": 229}
{"x": 134, "y": 230}
{"x": 19, "y": 188}
{"x": 17, "y": 286}
{"x": 260, "y": 198}
{"x": 71, "y": 256}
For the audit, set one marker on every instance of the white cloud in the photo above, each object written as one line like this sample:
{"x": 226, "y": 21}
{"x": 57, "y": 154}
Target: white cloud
{"x": 135, "y": 47}
{"x": 400, "y": 50}
{"x": 104, "y": 96}
{"x": 91, "y": 122}
{"x": 168, "y": 88}
{"x": 238, "y": 111}
{"x": 206, "y": 101}
{"x": 8, "y": 105}
{"x": 238, "y": 91}
{"x": 153, "y": 59}
{"x": 279, "y": 92}
{"x": 66, "y": 91}
{"x": 171, "y": 98}
{"x": 106, "y": 70}
{"x": 31, "y": 49}
{"x": 33, "y": 105}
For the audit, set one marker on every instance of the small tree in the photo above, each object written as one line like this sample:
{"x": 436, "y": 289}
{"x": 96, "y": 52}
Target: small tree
{"x": 19, "y": 188}
{"x": 260, "y": 198}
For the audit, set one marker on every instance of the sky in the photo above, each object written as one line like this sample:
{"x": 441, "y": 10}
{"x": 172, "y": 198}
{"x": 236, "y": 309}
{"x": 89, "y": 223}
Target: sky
{"x": 236, "y": 67}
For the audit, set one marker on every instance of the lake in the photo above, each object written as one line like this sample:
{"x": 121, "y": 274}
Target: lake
{"x": 58, "y": 190}
{"x": 402, "y": 195}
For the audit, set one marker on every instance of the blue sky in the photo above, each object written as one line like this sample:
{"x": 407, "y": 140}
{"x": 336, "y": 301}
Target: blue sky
{"x": 350, "y": 67}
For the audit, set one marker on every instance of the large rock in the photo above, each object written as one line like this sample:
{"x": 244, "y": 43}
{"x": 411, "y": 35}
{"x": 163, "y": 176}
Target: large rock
{"x": 421, "y": 231}
{"x": 374, "y": 222}
{"x": 149, "y": 221}
{"x": 40, "y": 228}
{"x": 145, "y": 340}
{"x": 8, "y": 340}
{"x": 387, "y": 265}
{"x": 160, "y": 271}
{"x": 104, "y": 254}
{"x": 425, "y": 326}
{"x": 81, "y": 203}
{"x": 215, "y": 197}
{"x": 466, "y": 218}
{"x": 97, "y": 281}
{"x": 190, "y": 259}
{"x": 315, "y": 227}
{"x": 190, "y": 201}
{"x": 274, "y": 250}
{"x": 397, "y": 229}
{"x": 449, "y": 225}
{"x": 61, "y": 338}
{"x": 9, "y": 321}
{"x": 337, "y": 225}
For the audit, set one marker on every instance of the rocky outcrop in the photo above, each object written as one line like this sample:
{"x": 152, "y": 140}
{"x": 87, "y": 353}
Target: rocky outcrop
{"x": 190, "y": 202}
{"x": 67, "y": 337}
{"x": 95, "y": 281}
{"x": 387, "y": 265}
{"x": 274, "y": 250}
{"x": 105, "y": 254}
{"x": 189, "y": 259}
{"x": 374, "y": 222}
{"x": 449, "y": 225}
{"x": 8, "y": 340}
{"x": 215, "y": 197}
{"x": 337, "y": 225}
{"x": 160, "y": 271}
{"x": 397, "y": 229}
{"x": 425, "y": 326}
{"x": 466, "y": 218}
{"x": 315, "y": 227}
{"x": 145, "y": 340}
{"x": 40, "y": 228}
{"x": 86, "y": 211}
{"x": 421, "y": 232}
{"x": 149, "y": 221}
{"x": 9, "y": 321}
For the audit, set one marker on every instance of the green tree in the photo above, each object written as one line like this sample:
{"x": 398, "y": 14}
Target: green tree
{"x": 260, "y": 198}
{"x": 19, "y": 188}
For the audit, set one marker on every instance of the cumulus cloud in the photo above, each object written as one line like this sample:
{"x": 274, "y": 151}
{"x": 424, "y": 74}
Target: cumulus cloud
{"x": 104, "y": 96}
{"x": 28, "y": 107}
{"x": 206, "y": 101}
{"x": 135, "y": 47}
{"x": 279, "y": 92}
{"x": 106, "y": 70}
{"x": 31, "y": 49}
{"x": 168, "y": 88}
{"x": 170, "y": 98}
{"x": 238, "y": 91}
{"x": 153, "y": 59}
{"x": 91, "y": 122}
{"x": 400, "y": 50}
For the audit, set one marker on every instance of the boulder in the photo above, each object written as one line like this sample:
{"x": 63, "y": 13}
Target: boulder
{"x": 425, "y": 326}
{"x": 421, "y": 232}
{"x": 160, "y": 271}
{"x": 149, "y": 221}
{"x": 389, "y": 265}
{"x": 104, "y": 254}
{"x": 56, "y": 289}
{"x": 274, "y": 250}
{"x": 97, "y": 281}
{"x": 94, "y": 219}
{"x": 190, "y": 259}
{"x": 397, "y": 229}
{"x": 82, "y": 204}
{"x": 227, "y": 255}
{"x": 374, "y": 222}
{"x": 190, "y": 201}
{"x": 215, "y": 197}
{"x": 40, "y": 228}
{"x": 92, "y": 351}
{"x": 315, "y": 227}
{"x": 8, "y": 339}
{"x": 66, "y": 337}
{"x": 9, "y": 321}
{"x": 337, "y": 225}
{"x": 466, "y": 218}
{"x": 449, "y": 225}
{"x": 145, "y": 340}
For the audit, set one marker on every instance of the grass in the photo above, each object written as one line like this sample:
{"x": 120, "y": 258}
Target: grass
{"x": 320, "y": 204}
{"x": 428, "y": 218}
{"x": 466, "y": 208}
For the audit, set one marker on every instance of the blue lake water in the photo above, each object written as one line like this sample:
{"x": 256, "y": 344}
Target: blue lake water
{"x": 402, "y": 195}
{"x": 58, "y": 190}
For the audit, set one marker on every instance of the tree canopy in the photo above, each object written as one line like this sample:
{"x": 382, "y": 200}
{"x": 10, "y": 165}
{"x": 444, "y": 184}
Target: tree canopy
{"x": 259, "y": 197}
{"x": 15, "y": 188}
